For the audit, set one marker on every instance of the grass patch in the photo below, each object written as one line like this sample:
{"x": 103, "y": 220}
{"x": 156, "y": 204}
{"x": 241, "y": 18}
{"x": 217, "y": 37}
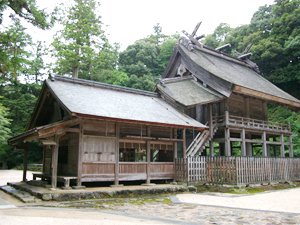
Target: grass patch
{"x": 246, "y": 190}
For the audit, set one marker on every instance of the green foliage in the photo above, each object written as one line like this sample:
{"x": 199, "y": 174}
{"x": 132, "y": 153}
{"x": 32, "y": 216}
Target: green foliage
{"x": 4, "y": 129}
{"x": 283, "y": 115}
{"x": 20, "y": 99}
{"x": 27, "y": 10}
{"x": 147, "y": 58}
{"x": 13, "y": 51}
{"x": 81, "y": 48}
{"x": 114, "y": 77}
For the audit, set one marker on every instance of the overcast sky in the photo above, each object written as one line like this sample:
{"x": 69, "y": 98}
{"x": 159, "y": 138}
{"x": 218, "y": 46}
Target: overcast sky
{"x": 130, "y": 20}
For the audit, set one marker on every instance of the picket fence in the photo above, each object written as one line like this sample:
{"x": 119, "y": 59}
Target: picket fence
{"x": 236, "y": 170}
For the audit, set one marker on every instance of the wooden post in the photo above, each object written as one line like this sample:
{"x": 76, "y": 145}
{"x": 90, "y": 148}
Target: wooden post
{"x": 282, "y": 146}
{"x": 291, "y": 151}
{"x": 184, "y": 143}
{"x": 117, "y": 154}
{"x": 148, "y": 162}
{"x": 227, "y": 142}
{"x": 175, "y": 144}
{"x": 210, "y": 121}
{"x": 54, "y": 161}
{"x": 226, "y": 118}
{"x": 25, "y": 159}
{"x": 264, "y": 145}
{"x": 243, "y": 144}
{"x": 80, "y": 152}
{"x": 249, "y": 150}
{"x": 211, "y": 148}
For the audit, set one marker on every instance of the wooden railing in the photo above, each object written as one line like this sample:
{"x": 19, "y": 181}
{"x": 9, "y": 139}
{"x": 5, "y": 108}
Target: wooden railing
{"x": 251, "y": 123}
{"x": 236, "y": 170}
{"x": 105, "y": 171}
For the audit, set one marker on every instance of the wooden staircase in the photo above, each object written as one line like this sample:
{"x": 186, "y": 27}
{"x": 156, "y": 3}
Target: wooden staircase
{"x": 200, "y": 141}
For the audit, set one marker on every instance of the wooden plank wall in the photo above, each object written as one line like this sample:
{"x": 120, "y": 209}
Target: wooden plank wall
{"x": 236, "y": 170}
{"x": 72, "y": 141}
{"x": 236, "y": 106}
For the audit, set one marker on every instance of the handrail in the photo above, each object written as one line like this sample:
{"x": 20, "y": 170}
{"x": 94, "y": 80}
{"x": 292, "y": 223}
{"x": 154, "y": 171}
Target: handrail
{"x": 236, "y": 120}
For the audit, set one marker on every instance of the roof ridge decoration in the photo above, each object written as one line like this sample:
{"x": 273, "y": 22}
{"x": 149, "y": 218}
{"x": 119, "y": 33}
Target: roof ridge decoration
{"x": 244, "y": 56}
{"x": 193, "y": 42}
{"x": 103, "y": 85}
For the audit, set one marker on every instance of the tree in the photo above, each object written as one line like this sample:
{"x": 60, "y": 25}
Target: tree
{"x": 82, "y": 48}
{"x": 13, "y": 51}
{"x": 20, "y": 99}
{"x": 145, "y": 60}
{"x": 28, "y": 10}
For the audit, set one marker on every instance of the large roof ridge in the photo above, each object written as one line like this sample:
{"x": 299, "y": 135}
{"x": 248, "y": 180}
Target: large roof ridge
{"x": 184, "y": 42}
{"x": 103, "y": 85}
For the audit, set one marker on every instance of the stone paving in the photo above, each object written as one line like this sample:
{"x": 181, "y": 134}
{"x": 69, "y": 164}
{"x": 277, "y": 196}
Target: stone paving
{"x": 168, "y": 209}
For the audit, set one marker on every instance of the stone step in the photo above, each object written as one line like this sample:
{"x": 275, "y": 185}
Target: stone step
{"x": 21, "y": 195}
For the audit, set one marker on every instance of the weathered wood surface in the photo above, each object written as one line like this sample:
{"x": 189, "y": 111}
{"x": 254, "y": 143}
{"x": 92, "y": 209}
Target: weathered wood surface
{"x": 102, "y": 171}
{"x": 236, "y": 170}
{"x": 255, "y": 124}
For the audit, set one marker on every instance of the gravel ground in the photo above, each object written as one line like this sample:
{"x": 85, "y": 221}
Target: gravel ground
{"x": 275, "y": 207}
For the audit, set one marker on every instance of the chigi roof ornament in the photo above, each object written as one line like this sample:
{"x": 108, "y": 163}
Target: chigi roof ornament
{"x": 244, "y": 56}
{"x": 192, "y": 39}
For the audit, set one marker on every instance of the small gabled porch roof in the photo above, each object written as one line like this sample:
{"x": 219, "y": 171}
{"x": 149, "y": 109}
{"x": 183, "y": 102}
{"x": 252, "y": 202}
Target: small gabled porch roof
{"x": 188, "y": 92}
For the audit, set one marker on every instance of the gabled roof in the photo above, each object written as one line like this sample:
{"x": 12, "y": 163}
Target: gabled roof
{"x": 84, "y": 98}
{"x": 187, "y": 91}
{"x": 226, "y": 74}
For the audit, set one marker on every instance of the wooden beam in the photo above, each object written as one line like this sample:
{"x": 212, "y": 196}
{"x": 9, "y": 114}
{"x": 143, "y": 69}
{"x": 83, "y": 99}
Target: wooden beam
{"x": 148, "y": 162}
{"x": 47, "y": 142}
{"x": 267, "y": 97}
{"x": 264, "y": 146}
{"x": 243, "y": 143}
{"x": 117, "y": 154}
{"x": 25, "y": 159}
{"x": 227, "y": 142}
{"x": 282, "y": 153}
{"x": 80, "y": 155}
{"x": 54, "y": 162}
{"x": 184, "y": 143}
{"x": 291, "y": 151}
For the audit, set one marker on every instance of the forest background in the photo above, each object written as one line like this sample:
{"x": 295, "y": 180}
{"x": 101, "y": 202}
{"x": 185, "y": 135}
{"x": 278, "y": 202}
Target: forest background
{"x": 81, "y": 49}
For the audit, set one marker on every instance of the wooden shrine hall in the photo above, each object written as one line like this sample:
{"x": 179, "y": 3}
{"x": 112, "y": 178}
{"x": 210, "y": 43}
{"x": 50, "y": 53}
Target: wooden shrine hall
{"x": 93, "y": 132}
{"x": 100, "y": 132}
{"x": 228, "y": 95}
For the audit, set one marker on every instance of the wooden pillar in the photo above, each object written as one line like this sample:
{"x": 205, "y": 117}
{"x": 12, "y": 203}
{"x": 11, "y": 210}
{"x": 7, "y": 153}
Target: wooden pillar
{"x": 249, "y": 150}
{"x": 282, "y": 154}
{"x": 211, "y": 148}
{"x": 291, "y": 151}
{"x": 243, "y": 144}
{"x": 226, "y": 118}
{"x": 80, "y": 155}
{"x": 117, "y": 154}
{"x": 264, "y": 145}
{"x": 54, "y": 161}
{"x": 148, "y": 162}
{"x": 25, "y": 160}
{"x": 184, "y": 143}
{"x": 227, "y": 142}
{"x": 175, "y": 144}
{"x": 210, "y": 120}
